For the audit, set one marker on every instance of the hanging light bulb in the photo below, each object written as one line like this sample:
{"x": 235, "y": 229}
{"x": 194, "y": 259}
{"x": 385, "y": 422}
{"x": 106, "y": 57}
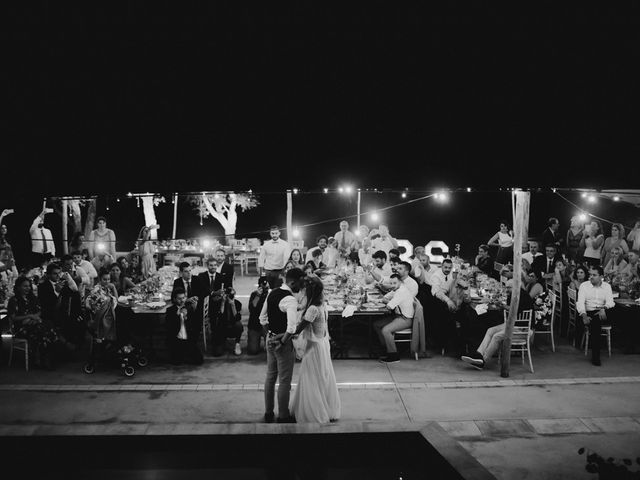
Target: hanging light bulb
{"x": 616, "y": 198}
{"x": 325, "y": 190}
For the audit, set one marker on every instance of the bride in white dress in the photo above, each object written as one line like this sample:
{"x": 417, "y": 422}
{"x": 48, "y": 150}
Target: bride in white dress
{"x": 316, "y": 397}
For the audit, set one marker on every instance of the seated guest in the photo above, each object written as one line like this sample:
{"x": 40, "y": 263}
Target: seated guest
{"x": 185, "y": 281}
{"x": 183, "y": 330}
{"x": 321, "y": 244}
{"x": 226, "y": 323}
{"x": 617, "y": 239}
{"x": 578, "y": 277}
{"x": 394, "y": 254}
{"x": 632, "y": 266}
{"x": 403, "y": 269}
{"x": 545, "y": 265}
{"x": 254, "y": 329}
{"x": 616, "y": 264}
{"x": 24, "y": 314}
{"x": 416, "y": 252}
{"x": 380, "y": 268}
{"x": 594, "y": 299}
{"x": 356, "y": 246}
{"x": 385, "y": 241}
{"x": 442, "y": 325}
{"x": 561, "y": 276}
{"x": 344, "y": 238}
{"x": 122, "y": 283}
{"x": 295, "y": 260}
{"x": 331, "y": 254}
{"x": 533, "y": 252}
{"x": 483, "y": 261}
{"x": 102, "y": 260}
{"x": 427, "y": 269}
{"x": 134, "y": 269}
{"x": 316, "y": 263}
{"x": 400, "y": 302}
{"x": 532, "y": 284}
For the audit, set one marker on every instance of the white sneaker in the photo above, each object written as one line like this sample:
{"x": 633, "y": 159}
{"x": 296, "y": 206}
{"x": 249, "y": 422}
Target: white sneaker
{"x": 237, "y": 350}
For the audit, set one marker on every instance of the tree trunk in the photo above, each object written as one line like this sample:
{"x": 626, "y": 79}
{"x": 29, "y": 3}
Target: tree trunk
{"x": 65, "y": 227}
{"x": 77, "y": 215}
{"x": 91, "y": 217}
{"x": 150, "y": 215}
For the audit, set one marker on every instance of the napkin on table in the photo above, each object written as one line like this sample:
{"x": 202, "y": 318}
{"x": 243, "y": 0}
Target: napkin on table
{"x": 481, "y": 308}
{"x": 349, "y": 311}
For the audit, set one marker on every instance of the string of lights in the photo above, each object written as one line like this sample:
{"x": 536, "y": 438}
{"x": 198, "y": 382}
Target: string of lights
{"x": 584, "y": 214}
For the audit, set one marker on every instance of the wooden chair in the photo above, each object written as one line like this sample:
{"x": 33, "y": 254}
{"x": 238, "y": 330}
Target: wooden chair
{"x": 15, "y": 343}
{"x": 572, "y": 296}
{"x": 521, "y": 337}
{"x": 206, "y": 323}
{"x": 605, "y": 331}
{"x": 554, "y": 300}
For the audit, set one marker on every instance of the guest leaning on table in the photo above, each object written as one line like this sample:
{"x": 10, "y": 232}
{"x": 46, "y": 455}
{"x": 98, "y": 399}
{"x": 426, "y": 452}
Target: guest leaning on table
{"x": 594, "y": 299}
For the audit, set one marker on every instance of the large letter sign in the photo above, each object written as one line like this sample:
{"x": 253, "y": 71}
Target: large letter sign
{"x": 433, "y": 244}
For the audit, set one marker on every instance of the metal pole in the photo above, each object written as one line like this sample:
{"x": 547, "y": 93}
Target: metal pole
{"x": 358, "y": 209}
{"x": 289, "y": 216}
{"x": 175, "y": 215}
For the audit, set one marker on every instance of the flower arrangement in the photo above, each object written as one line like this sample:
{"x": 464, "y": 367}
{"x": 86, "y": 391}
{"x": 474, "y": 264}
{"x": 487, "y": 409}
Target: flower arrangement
{"x": 97, "y": 298}
{"x": 543, "y": 309}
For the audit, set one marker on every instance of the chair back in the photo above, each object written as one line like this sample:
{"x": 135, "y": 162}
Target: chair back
{"x": 554, "y": 304}
{"x": 572, "y": 295}
{"x": 205, "y": 307}
{"x": 498, "y": 266}
{"x": 239, "y": 244}
{"x": 521, "y": 326}
{"x": 253, "y": 243}
{"x": 297, "y": 244}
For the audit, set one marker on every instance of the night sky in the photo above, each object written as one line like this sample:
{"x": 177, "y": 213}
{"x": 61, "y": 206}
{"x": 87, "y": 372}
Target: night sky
{"x": 178, "y": 96}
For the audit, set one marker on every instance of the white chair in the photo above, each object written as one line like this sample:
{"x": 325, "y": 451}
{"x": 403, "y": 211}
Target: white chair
{"x": 241, "y": 259}
{"x": 554, "y": 301}
{"x": 521, "y": 337}
{"x": 405, "y": 337}
{"x": 206, "y": 324}
{"x": 250, "y": 257}
{"x": 239, "y": 244}
{"x": 572, "y": 295}
{"x": 605, "y": 331}
{"x": 297, "y": 244}
{"x": 16, "y": 343}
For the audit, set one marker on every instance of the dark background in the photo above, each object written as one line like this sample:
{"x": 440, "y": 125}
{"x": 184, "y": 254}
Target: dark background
{"x": 187, "y": 96}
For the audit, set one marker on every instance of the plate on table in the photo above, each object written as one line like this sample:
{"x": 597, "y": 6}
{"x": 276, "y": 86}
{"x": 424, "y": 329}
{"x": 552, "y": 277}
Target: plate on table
{"x": 155, "y": 305}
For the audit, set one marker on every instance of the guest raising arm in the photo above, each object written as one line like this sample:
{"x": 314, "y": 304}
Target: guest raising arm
{"x": 592, "y": 242}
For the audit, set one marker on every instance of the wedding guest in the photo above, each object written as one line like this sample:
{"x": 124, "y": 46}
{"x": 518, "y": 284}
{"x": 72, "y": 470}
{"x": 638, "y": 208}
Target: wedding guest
{"x": 78, "y": 242}
{"x": 483, "y": 261}
{"x": 224, "y": 271}
{"x": 254, "y": 329}
{"x": 226, "y": 323}
{"x": 403, "y": 271}
{"x": 295, "y": 260}
{"x": 503, "y": 239}
{"x": 594, "y": 299}
{"x": 24, "y": 314}
{"x": 316, "y": 398}
{"x": 273, "y": 257}
{"x": 361, "y": 235}
{"x": 574, "y": 239}
{"x": 552, "y": 234}
{"x": 427, "y": 269}
{"x": 400, "y": 302}
{"x": 102, "y": 302}
{"x": 8, "y": 257}
{"x": 331, "y": 254}
{"x": 533, "y": 252}
{"x": 634, "y": 237}
{"x": 185, "y": 281}
{"x": 631, "y": 270}
{"x": 85, "y": 266}
{"x": 146, "y": 250}
{"x": 102, "y": 239}
{"x": 183, "y": 330}
{"x": 365, "y": 253}
{"x": 385, "y": 242}
{"x": 442, "y": 325}
{"x": 102, "y": 260}
{"x": 615, "y": 240}
{"x": 578, "y": 277}
{"x": 119, "y": 280}
{"x": 394, "y": 254}
{"x": 279, "y": 318}
{"x": 616, "y": 263}
{"x": 42, "y": 246}
{"x": 545, "y": 266}
{"x": 344, "y": 238}
{"x": 134, "y": 270}
{"x": 5, "y": 212}
{"x": 561, "y": 275}
{"x": 379, "y": 269}
{"x": 592, "y": 242}
{"x": 419, "y": 250}
{"x": 321, "y": 244}
{"x": 316, "y": 265}
{"x": 78, "y": 274}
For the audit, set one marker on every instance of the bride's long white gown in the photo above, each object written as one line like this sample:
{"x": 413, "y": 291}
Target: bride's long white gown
{"x": 316, "y": 398}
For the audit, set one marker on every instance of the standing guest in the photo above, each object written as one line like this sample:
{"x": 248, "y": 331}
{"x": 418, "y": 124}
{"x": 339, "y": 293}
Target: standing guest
{"x": 226, "y": 322}
{"x": 183, "y": 330}
{"x": 5, "y": 212}
{"x": 331, "y": 254}
{"x": 545, "y": 266}
{"x": 615, "y": 240}
{"x": 616, "y": 264}
{"x": 419, "y": 250}
{"x": 146, "y": 250}
{"x": 361, "y": 235}
{"x": 9, "y": 260}
{"x": 484, "y": 262}
{"x": 78, "y": 243}
{"x": 85, "y": 266}
{"x": 102, "y": 239}
{"x": 186, "y": 282}
{"x": 400, "y": 302}
{"x": 295, "y": 260}
{"x": 273, "y": 257}
{"x": 631, "y": 270}
{"x": 443, "y": 328}
{"x": 24, "y": 314}
{"x": 578, "y": 277}
{"x": 385, "y": 242}
{"x": 634, "y": 237}
{"x": 102, "y": 302}
{"x": 594, "y": 299}
{"x": 321, "y": 244}
{"x": 254, "y": 329}
{"x": 533, "y": 252}
{"x": 574, "y": 239}
{"x": 503, "y": 239}
{"x": 119, "y": 280}
{"x": 344, "y": 238}
{"x": 278, "y": 318}
{"x": 552, "y": 234}
{"x": 224, "y": 271}
{"x": 316, "y": 398}
{"x": 42, "y": 246}
{"x": 592, "y": 242}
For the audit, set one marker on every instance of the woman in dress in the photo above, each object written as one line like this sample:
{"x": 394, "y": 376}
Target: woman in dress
{"x": 616, "y": 264}
{"x": 23, "y": 312}
{"x": 532, "y": 284}
{"x": 592, "y": 243}
{"x": 102, "y": 239}
{"x": 574, "y": 239}
{"x": 503, "y": 239}
{"x": 615, "y": 240}
{"x": 133, "y": 270}
{"x": 578, "y": 277}
{"x": 316, "y": 398}
{"x": 102, "y": 302}
{"x": 295, "y": 261}
{"x": 120, "y": 280}
{"x": 146, "y": 251}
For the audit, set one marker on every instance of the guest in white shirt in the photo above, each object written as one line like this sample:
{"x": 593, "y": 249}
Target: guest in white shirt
{"x": 380, "y": 268}
{"x": 441, "y": 318}
{"x": 385, "y": 241}
{"x": 321, "y": 244}
{"x": 532, "y": 253}
{"x": 273, "y": 257}
{"x": 42, "y": 246}
{"x": 400, "y": 303}
{"x": 594, "y": 298}
{"x": 426, "y": 269}
{"x": 403, "y": 269}
{"x": 344, "y": 238}
{"x": 87, "y": 267}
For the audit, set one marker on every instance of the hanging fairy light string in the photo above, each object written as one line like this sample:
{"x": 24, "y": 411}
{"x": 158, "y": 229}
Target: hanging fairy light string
{"x": 583, "y": 213}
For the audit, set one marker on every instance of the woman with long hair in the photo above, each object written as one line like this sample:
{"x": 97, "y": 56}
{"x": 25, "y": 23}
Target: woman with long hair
{"x": 574, "y": 239}
{"x": 119, "y": 279}
{"x": 578, "y": 277}
{"x": 316, "y": 399}
{"x": 592, "y": 243}
{"x": 615, "y": 240}
{"x": 503, "y": 239}
{"x": 146, "y": 251}
{"x": 295, "y": 260}
{"x": 617, "y": 264}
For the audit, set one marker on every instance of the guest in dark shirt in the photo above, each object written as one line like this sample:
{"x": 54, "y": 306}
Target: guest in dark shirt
{"x": 483, "y": 261}
{"x": 227, "y": 322}
{"x": 256, "y": 301}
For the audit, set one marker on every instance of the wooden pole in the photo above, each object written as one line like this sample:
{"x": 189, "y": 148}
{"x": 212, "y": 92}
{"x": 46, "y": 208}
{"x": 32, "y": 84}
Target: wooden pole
{"x": 289, "y": 216}
{"x": 65, "y": 228}
{"x": 175, "y": 216}
{"x": 358, "y": 209}
{"x": 521, "y": 211}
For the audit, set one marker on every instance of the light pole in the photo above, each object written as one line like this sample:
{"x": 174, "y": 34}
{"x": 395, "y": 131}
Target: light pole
{"x": 358, "y": 209}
